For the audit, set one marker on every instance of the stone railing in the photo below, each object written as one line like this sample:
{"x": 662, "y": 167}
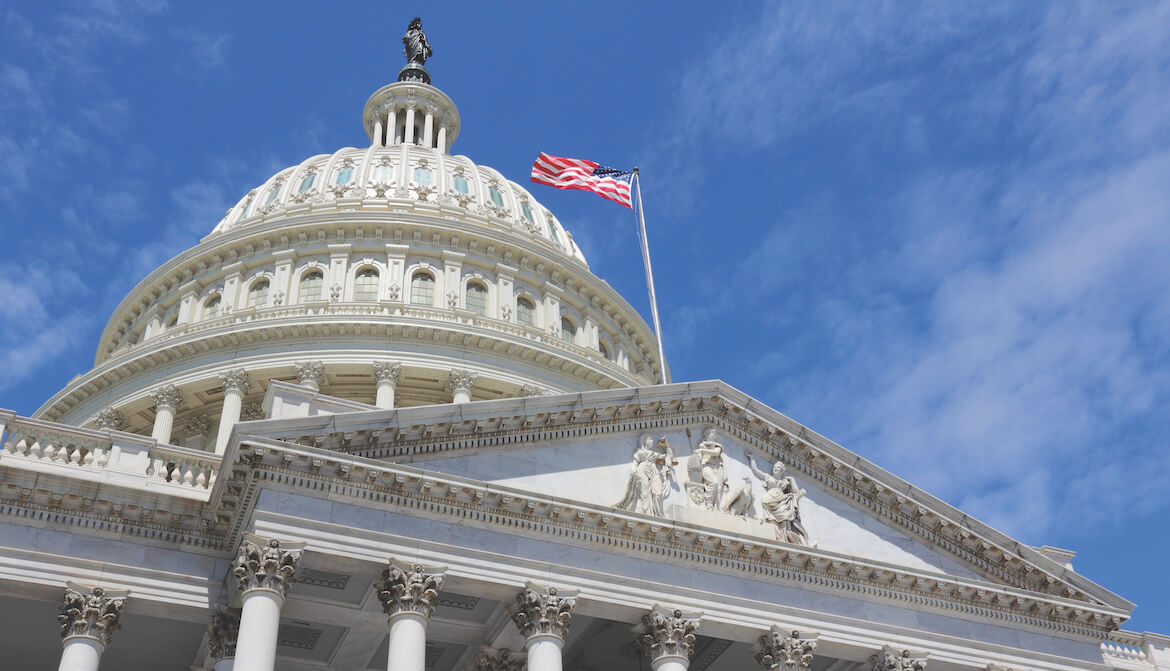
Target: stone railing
{"x": 1131, "y": 650}
{"x": 113, "y": 457}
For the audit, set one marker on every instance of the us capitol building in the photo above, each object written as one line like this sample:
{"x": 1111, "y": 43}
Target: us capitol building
{"x": 384, "y": 417}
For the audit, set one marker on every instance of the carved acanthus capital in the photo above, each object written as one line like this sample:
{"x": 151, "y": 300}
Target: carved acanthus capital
{"x": 197, "y": 426}
{"x": 894, "y": 659}
{"x": 491, "y": 659}
{"x": 267, "y": 564}
{"x": 784, "y": 650}
{"x": 461, "y": 380}
{"x": 385, "y": 371}
{"x": 252, "y": 411}
{"x": 235, "y": 381}
{"x": 668, "y": 632}
{"x": 311, "y": 374}
{"x": 167, "y": 397}
{"x": 91, "y": 612}
{"x": 223, "y": 632}
{"x": 110, "y": 419}
{"x": 544, "y": 611}
{"x": 409, "y": 588}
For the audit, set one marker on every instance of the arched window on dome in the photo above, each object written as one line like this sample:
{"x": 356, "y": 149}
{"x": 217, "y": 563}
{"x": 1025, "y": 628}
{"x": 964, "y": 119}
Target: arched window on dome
{"x": 272, "y": 194}
{"x": 461, "y": 184}
{"x": 525, "y": 311}
{"x": 422, "y": 176}
{"x": 344, "y": 176}
{"x": 496, "y": 196}
{"x": 422, "y": 288}
{"x": 365, "y": 286}
{"x": 311, "y": 283}
{"x": 172, "y": 320}
{"x": 603, "y": 348}
{"x": 244, "y": 208}
{"x": 527, "y": 212}
{"x": 568, "y": 330}
{"x": 307, "y": 182}
{"x": 383, "y": 174}
{"x": 476, "y": 298}
{"x": 258, "y": 294}
{"x": 211, "y": 307}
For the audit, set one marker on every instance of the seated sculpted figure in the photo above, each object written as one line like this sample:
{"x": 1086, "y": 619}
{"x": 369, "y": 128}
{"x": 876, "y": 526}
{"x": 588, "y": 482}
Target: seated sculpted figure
{"x": 706, "y": 474}
{"x": 651, "y": 476}
{"x": 781, "y": 502}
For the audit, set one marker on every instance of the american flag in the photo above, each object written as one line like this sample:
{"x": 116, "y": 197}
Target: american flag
{"x": 574, "y": 173}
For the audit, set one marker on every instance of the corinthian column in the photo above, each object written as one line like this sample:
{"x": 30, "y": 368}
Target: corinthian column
{"x": 235, "y": 385}
{"x": 222, "y": 637}
{"x": 386, "y": 375}
{"x": 265, "y": 570}
{"x": 409, "y": 593}
{"x": 311, "y": 374}
{"x": 668, "y": 637}
{"x": 460, "y": 385}
{"x": 782, "y": 650}
{"x": 167, "y": 400}
{"x": 893, "y": 659}
{"x": 542, "y": 616}
{"x": 89, "y": 617}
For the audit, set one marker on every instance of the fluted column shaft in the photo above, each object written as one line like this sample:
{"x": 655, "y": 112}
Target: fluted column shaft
{"x": 166, "y": 401}
{"x": 409, "y": 593}
{"x": 265, "y": 571}
{"x": 235, "y": 385}
{"x": 386, "y": 375}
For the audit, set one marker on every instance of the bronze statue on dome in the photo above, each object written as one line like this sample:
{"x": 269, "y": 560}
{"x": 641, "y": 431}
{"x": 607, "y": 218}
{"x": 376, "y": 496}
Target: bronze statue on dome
{"x": 414, "y": 43}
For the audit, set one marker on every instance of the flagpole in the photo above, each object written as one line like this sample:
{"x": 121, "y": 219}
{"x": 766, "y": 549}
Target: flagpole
{"x": 649, "y": 276}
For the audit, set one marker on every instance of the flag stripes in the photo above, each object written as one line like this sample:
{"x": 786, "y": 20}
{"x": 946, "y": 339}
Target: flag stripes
{"x": 574, "y": 173}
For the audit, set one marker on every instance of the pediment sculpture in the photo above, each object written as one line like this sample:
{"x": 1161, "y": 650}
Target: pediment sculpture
{"x": 652, "y": 479}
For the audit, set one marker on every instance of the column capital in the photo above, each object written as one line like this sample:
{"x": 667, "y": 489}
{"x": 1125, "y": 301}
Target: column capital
{"x": 109, "y": 418}
{"x": 91, "y": 612}
{"x": 235, "y": 380}
{"x": 387, "y": 371}
{"x": 197, "y": 426}
{"x": 266, "y": 564}
{"x": 544, "y": 611}
{"x": 668, "y": 632}
{"x": 223, "y": 633}
{"x": 896, "y": 659}
{"x": 461, "y": 380}
{"x": 407, "y": 588}
{"x": 310, "y": 374}
{"x": 167, "y": 397}
{"x": 785, "y": 650}
{"x": 503, "y": 659}
{"x": 533, "y": 390}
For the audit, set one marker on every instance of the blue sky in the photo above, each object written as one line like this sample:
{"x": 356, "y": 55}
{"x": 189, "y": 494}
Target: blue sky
{"x": 936, "y": 234}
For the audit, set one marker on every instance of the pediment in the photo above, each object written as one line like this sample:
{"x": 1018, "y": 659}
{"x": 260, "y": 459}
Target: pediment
{"x": 584, "y": 449}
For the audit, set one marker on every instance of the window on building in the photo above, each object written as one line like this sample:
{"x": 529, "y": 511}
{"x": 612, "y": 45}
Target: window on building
{"x": 568, "y": 330}
{"x": 172, "y": 321}
{"x": 461, "y": 184}
{"x": 496, "y": 196}
{"x": 344, "y": 176}
{"x": 604, "y": 349}
{"x": 422, "y": 288}
{"x": 258, "y": 294}
{"x": 383, "y": 174}
{"x": 422, "y": 176}
{"x": 476, "y": 298}
{"x": 366, "y": 286}
{"x": 525, "y": 311}
{"x": 556, "y": 235}
{"x": 245, "y": 206}
{"x": 272, "y": 194}
{"x": 307, "y": 182}
{"x": 527, "y": 211}
{"x": 211, "y": 307}
{"x": 311, "y": 283}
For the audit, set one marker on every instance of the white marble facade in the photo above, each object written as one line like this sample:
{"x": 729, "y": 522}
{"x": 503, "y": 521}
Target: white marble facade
{"x": 384, "y": 417}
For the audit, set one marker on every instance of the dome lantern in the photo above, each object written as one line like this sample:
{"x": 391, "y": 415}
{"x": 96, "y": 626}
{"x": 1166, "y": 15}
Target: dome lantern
{"x": 411, "y": 111}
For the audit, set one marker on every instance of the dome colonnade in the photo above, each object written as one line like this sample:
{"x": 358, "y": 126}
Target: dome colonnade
{"x": 397, "y": 257}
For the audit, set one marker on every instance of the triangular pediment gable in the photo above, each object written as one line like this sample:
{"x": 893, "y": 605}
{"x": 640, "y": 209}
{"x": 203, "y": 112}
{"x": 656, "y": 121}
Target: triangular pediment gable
{"x": 581, "y": 449}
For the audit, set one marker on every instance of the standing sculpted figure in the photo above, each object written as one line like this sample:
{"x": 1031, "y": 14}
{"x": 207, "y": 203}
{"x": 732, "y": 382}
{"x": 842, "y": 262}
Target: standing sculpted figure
{"x": 707, "y": 477}
{"x": 414, "y": 43}
{"x": 651, "y": 477}
{"x": 781, "y": 502}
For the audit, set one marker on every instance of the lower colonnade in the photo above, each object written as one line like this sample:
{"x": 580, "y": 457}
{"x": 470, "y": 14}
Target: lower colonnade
{"x": 245, "y": 638}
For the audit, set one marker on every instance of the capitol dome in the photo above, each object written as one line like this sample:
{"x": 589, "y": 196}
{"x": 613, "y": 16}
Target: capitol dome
{"x": 392, "y": 275}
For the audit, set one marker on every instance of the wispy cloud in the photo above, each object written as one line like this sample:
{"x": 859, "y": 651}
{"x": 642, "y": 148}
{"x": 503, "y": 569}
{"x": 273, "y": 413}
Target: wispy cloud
{"x": 973, "y": 292}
